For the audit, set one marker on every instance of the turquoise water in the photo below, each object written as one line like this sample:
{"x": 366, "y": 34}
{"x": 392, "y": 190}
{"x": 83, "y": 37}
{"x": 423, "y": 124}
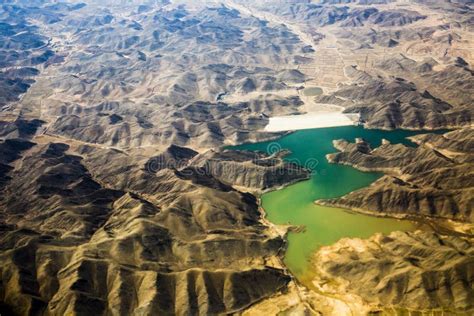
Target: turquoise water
{"x": 295, "y": 204}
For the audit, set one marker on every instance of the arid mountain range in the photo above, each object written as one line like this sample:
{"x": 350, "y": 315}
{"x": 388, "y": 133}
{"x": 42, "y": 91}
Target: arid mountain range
{"x": 118, "y": 195}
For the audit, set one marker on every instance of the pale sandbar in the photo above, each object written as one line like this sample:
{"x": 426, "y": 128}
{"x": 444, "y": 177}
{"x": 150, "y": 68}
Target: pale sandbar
{"x": 310, "y": 120}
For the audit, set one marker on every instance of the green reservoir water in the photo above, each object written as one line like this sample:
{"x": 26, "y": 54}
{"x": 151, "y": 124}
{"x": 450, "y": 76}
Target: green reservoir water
{"x": 294, "y": 204}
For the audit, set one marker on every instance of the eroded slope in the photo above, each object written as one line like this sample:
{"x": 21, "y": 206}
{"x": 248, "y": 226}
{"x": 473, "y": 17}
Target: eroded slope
{"x": 90, "y": 230}
{"x": 419, "y": 180}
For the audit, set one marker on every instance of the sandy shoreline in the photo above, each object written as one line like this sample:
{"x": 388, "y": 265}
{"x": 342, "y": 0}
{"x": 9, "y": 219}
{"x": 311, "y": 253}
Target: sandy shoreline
{"x": 310, "y": 120}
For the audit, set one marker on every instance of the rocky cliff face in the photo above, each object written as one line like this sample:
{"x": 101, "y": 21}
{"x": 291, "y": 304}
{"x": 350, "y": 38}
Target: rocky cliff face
{"x": 404, "y": 272}
{"x": 398, "y": 103}
{"x": 251, "y": 170}
{"x": 428, "y": 180}
{"x": 90, "y": 230}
